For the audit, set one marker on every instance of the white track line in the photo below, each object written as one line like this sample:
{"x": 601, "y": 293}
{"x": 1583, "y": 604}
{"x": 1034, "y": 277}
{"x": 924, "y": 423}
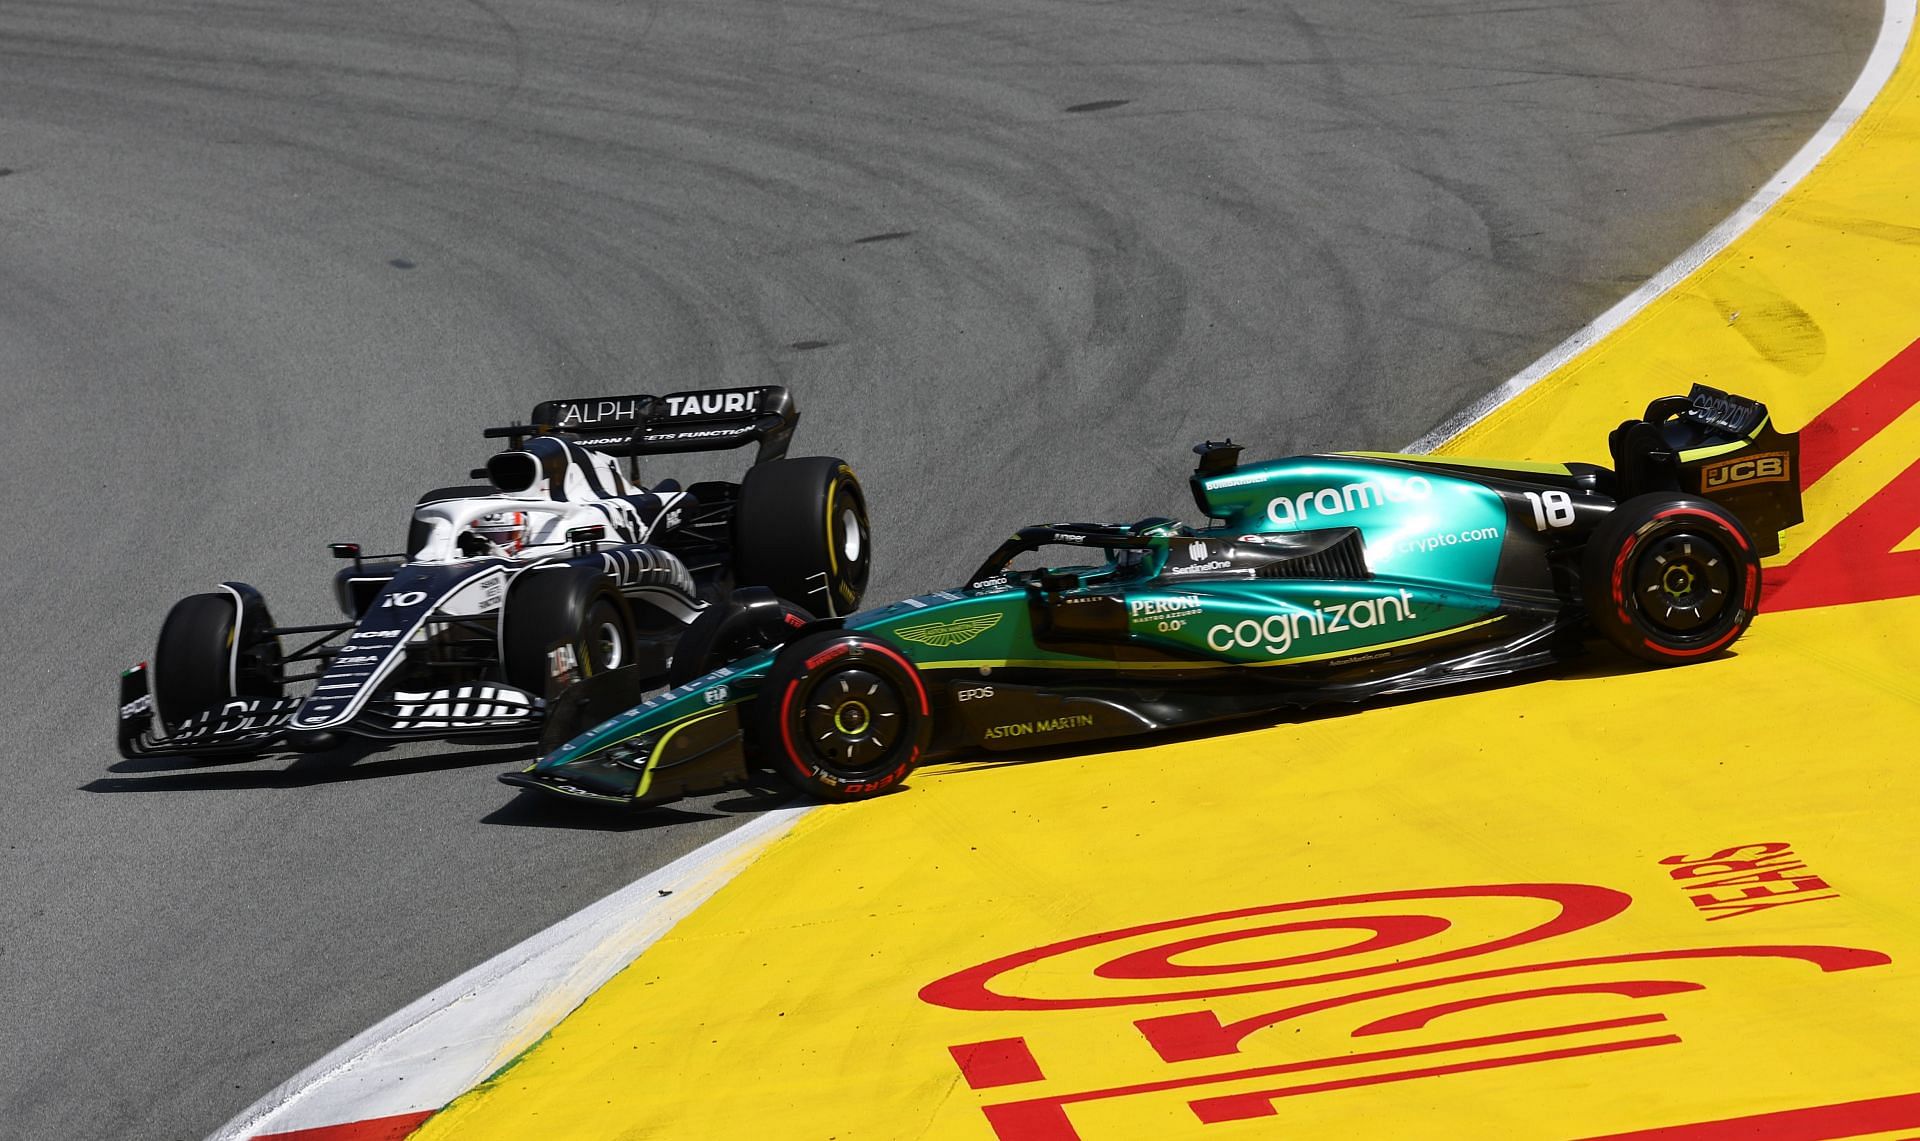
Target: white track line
{"x": 445, "y": 1043}
{"x": 448, "y": 1041}
{"x": 1896, "y": 24}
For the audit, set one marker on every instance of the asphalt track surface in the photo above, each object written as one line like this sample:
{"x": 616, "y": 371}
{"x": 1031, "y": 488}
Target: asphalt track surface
{"x": 266, "y": 269}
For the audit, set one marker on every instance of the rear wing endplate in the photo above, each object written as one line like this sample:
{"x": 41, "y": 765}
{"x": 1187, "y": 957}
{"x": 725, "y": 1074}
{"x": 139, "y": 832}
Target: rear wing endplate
{"x": 1719, "y": 445}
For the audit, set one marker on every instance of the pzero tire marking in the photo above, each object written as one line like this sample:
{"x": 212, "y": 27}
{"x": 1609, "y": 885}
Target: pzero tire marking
{"x": 788, "y": 715}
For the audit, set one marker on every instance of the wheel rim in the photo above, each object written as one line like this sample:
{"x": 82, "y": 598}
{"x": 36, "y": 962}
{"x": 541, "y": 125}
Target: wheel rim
{"x": 611, "y": 643}
{"x": 1683, "y": 584}
{"x": 853, "y": 539}
{"x": 853, "y": 718}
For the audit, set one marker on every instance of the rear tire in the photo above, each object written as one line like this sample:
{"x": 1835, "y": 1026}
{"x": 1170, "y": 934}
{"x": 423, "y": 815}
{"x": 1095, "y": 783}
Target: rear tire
{"x": 842, "y": 716}
{"x": 753, "y": 619}
{"x": 1671, "y": 578}
{"x": 195, "y": 667}
{"x": 801, "y": 530}
{"x": 574, "y": 611}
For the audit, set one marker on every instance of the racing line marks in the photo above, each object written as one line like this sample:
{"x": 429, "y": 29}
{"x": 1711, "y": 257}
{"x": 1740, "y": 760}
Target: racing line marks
{"x": 1896, "y": 21}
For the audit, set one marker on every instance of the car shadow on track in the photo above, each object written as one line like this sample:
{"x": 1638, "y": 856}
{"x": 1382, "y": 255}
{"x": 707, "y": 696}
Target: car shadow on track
{"x": 347, "y": 763}
{"x": 536, "y": 810}
{"x": 533, "y": 810}
{"x": 1599, "y": 662}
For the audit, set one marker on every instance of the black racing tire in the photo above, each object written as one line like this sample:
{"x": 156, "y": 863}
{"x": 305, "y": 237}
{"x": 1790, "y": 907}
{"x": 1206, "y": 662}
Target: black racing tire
{"x": 575, "y": 607}
{"x": 753, "y": 619}
{"x": 842, "y": 716}
{"x": 195, "y": 667}
{"x": 1671, "y": 578}
{"x": 801, "y": 530}
{"x": 417, "y": 531}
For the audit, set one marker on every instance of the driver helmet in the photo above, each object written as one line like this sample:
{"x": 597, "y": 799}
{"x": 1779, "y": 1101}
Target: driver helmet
{"x": 504, "y": 531}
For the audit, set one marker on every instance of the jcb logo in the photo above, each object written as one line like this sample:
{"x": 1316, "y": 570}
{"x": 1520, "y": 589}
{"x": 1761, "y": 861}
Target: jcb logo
{"x": 1768, "y": 467}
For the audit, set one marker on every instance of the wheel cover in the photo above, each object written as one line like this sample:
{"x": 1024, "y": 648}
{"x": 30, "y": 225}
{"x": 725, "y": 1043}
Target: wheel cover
{"x": 611, "y": 643}
{"x": 853, "y": 539}
{"x": 852, "y": 719}
{"x": 1683, "y": 584}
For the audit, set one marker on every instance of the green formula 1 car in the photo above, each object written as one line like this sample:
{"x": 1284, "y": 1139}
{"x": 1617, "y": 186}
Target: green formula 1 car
{"x": 1321, "y": 578}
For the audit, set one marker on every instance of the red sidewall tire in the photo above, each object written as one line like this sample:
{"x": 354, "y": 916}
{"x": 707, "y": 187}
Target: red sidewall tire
{"x": 798, "y": 688}
{"x": 1617, "y": 563}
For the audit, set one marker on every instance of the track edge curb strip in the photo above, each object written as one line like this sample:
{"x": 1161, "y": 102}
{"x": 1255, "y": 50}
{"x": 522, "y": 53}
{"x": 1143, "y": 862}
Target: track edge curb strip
{"x": 1896, "y": 27}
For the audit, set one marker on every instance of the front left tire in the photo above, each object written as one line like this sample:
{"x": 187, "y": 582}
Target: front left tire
{"x": 842, "y": 716}
{"x": 209, "y": 652}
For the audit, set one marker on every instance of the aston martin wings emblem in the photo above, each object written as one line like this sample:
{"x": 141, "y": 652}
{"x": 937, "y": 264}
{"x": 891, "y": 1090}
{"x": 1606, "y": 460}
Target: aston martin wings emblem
{"x": 954, "y": 633}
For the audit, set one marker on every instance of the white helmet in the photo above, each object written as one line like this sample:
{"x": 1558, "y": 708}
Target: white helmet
{"x": 503, "y": 532}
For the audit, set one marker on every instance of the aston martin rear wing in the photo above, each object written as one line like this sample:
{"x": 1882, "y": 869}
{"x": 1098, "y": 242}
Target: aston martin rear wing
{"x": 698, "y": 420}
{"x": 1719, "y": 445}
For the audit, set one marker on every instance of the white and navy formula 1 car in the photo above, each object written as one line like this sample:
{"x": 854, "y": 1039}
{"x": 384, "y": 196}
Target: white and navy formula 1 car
{"x": 560, "y": 567}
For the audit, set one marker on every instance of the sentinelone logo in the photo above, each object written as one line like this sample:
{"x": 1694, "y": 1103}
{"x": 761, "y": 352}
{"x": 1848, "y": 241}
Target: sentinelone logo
{"x": 1277, "y": 633}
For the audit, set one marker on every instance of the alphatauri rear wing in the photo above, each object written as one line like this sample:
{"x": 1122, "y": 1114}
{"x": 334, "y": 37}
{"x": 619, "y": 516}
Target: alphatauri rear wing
{"x": 1719, "y": 445}
{"x": 698, "y": 420}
